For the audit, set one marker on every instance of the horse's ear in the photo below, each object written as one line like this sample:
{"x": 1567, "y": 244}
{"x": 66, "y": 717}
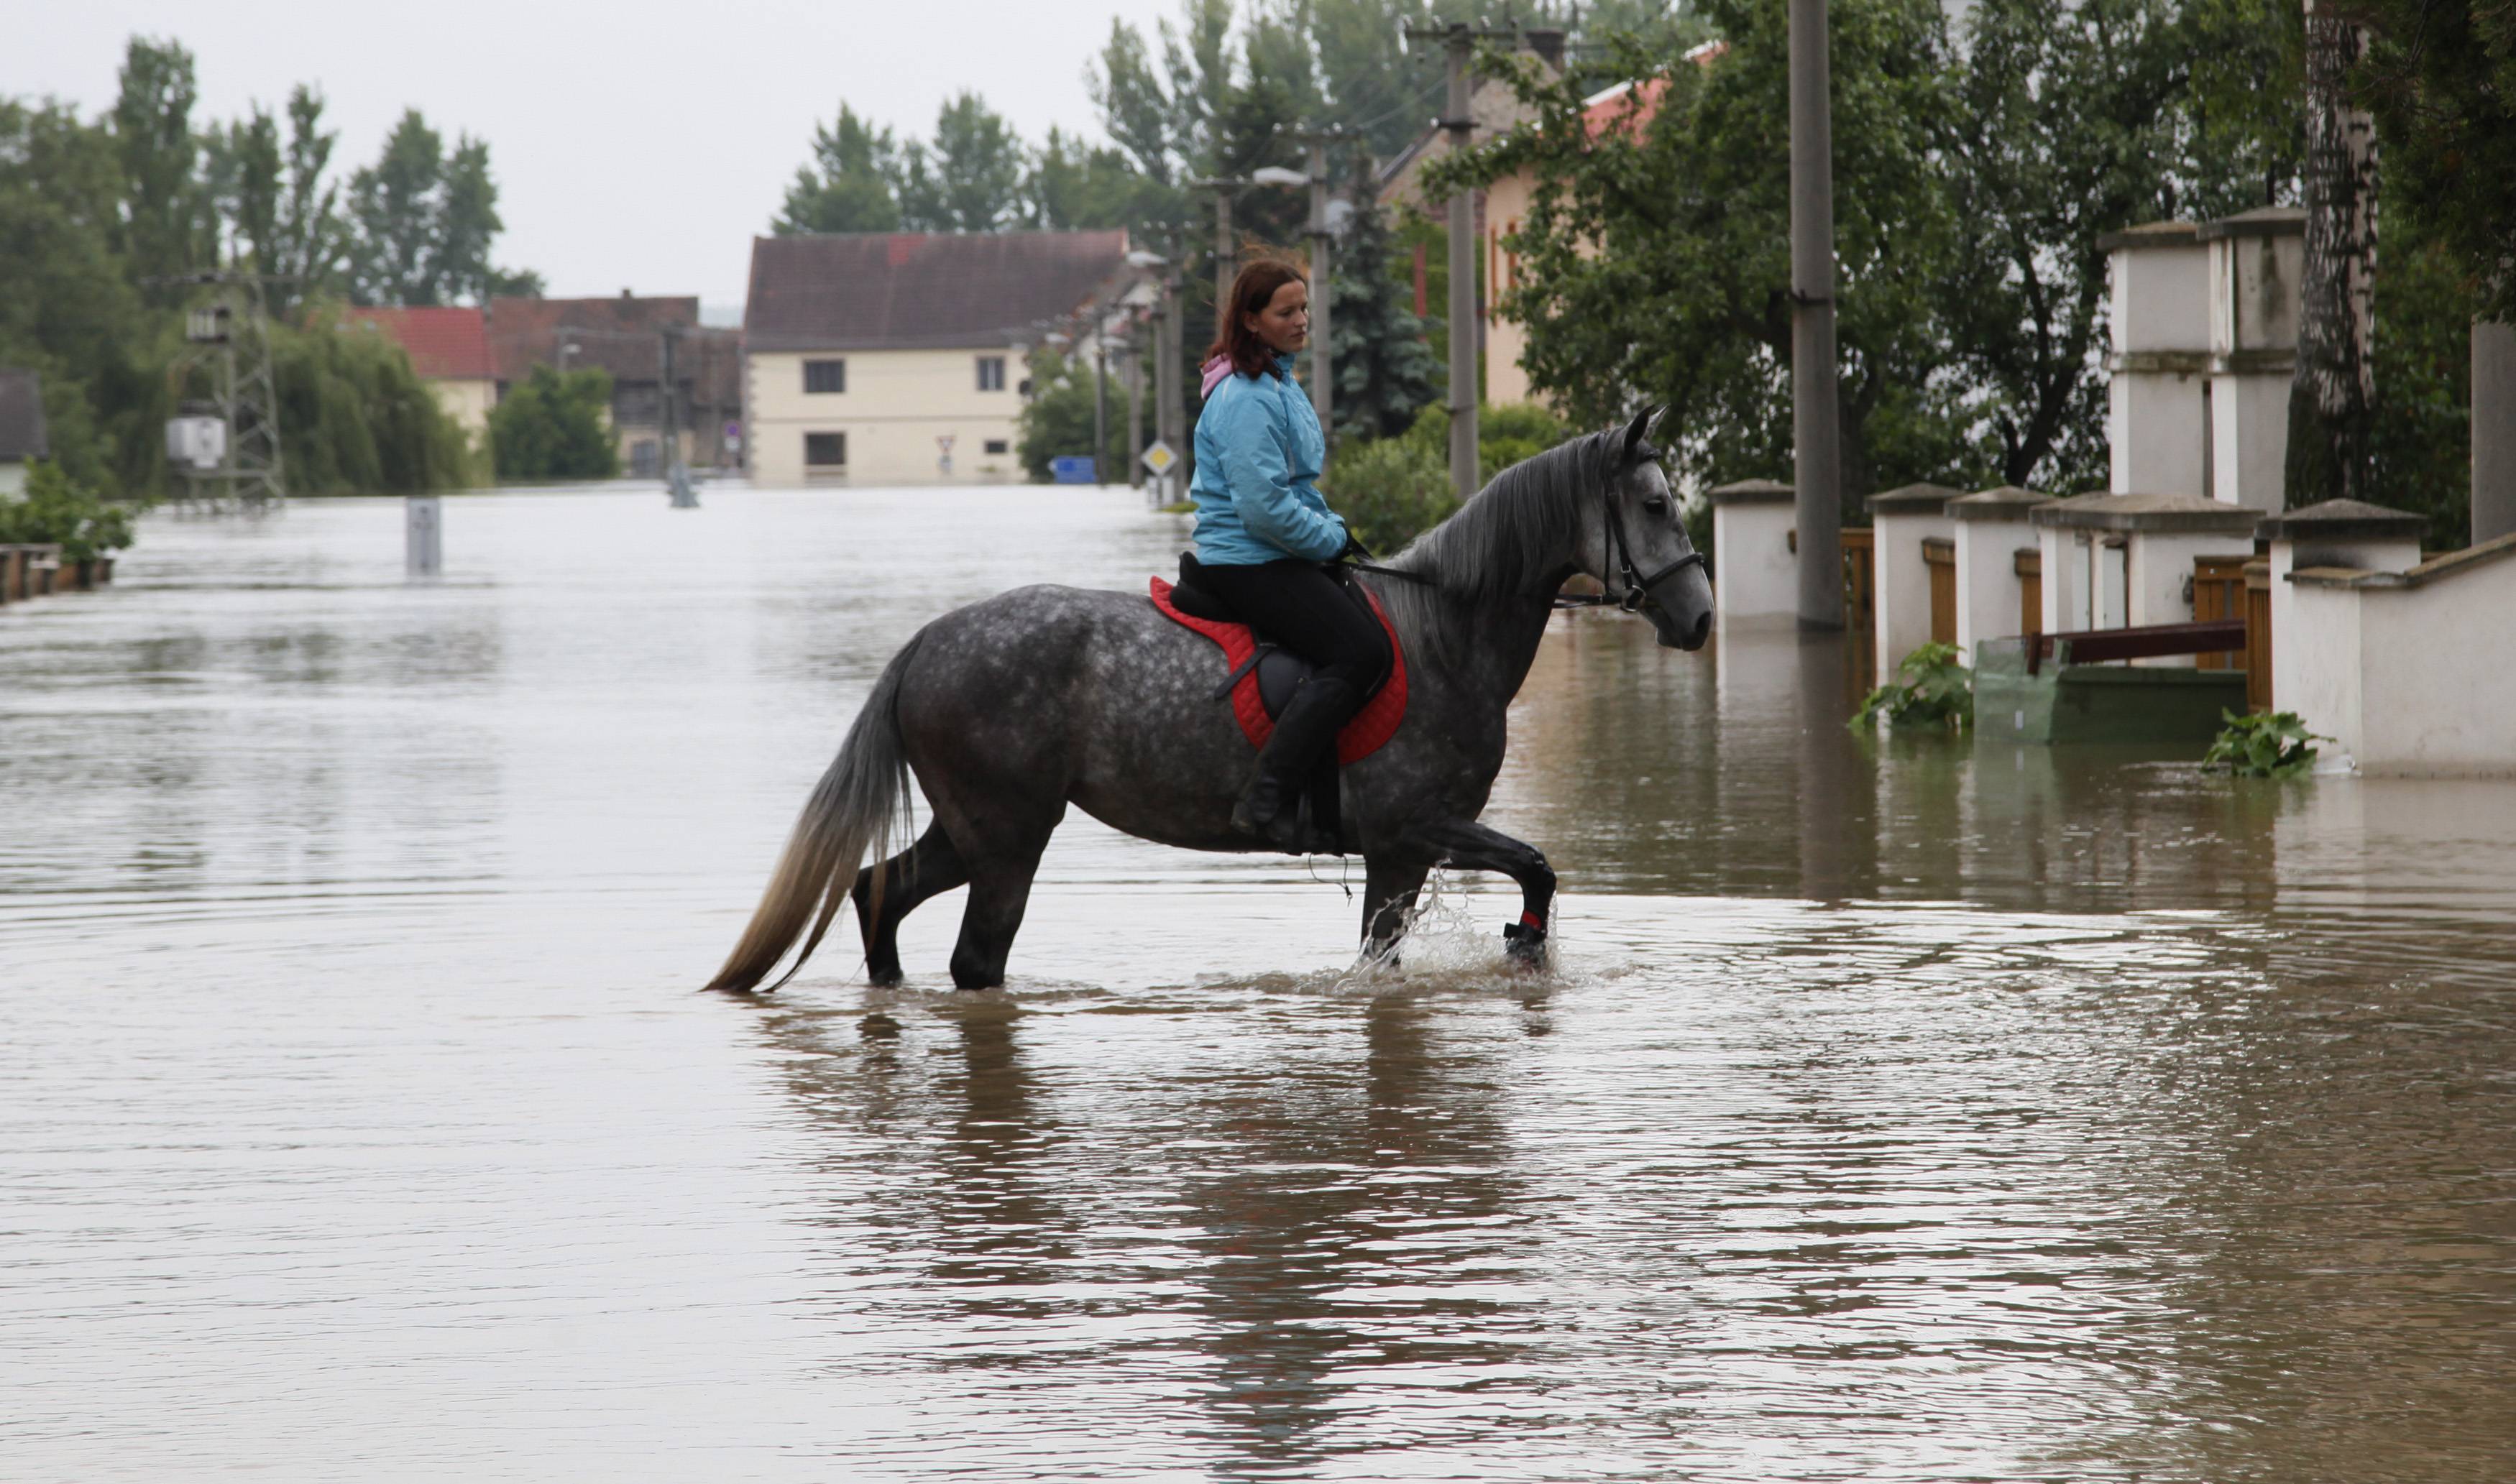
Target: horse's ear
{"x": 1665, "y": 435}
{"x": 1636, "y": 430}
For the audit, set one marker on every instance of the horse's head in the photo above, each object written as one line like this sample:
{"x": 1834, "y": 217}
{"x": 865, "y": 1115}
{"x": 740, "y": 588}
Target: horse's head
{"x": 1641, "y": 553}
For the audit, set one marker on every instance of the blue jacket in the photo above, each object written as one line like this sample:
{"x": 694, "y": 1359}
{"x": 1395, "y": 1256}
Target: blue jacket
{"x": 1258, "y": 456}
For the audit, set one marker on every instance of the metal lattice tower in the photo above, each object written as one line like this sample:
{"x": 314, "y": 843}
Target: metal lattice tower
{"x": 227, "y": 338}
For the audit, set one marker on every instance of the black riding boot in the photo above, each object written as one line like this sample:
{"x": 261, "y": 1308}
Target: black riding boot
{"x": 1270, "y": 808}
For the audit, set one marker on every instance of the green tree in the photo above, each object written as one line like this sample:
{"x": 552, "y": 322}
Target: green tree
{"x": 1385, "y": 368}
{"x": 468, "y": 223}
{"x": 1657, "y": 265}
{"x": 979, "y": 166}
{"x": 68, "y": 305}
{"x": 393, "y": 205}
{"x": 355, "y": 419}
{"x": 424, "y": 220}
{"x": 1073, "y": 184}
{"x": 848, "y": 187}
{"x": 1057, "y": 421}
{"x": 2440, "y": 78}
{"x": 246, "y": 165}
{"x": 556, "y": 427}
{"x": 308, "y": 238}
{"x": 169, "y": 221}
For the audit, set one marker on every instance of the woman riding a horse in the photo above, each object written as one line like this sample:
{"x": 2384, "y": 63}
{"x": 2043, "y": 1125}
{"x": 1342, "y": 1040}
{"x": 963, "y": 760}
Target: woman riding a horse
{"x": 1264, "y": 537}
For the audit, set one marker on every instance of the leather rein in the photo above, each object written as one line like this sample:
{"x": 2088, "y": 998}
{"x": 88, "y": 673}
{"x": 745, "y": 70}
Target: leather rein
{"x": 1637, "y": 585}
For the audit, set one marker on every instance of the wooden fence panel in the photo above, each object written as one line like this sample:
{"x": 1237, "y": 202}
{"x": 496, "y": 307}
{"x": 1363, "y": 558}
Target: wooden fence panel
{"x": 1940, "y": 554}
{"x": 2218, "y": 592}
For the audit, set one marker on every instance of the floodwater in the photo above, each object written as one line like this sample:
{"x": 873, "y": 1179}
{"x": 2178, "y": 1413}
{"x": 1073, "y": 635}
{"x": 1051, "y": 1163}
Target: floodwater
{"x": 1898, "y": 1110}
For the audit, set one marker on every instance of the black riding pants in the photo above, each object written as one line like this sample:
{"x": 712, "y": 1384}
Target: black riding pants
{"x": 1300, "y": 606}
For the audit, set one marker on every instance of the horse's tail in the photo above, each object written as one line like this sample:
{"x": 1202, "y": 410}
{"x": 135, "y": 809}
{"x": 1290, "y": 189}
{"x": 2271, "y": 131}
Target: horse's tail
{"x": 859, "y": 804}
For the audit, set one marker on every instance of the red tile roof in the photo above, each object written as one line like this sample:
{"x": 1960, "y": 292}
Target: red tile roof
{"x": 445, "y": 345}
{"x": 870, "y": 291}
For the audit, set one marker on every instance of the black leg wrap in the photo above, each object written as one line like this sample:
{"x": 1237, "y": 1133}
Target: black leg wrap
{"x": 1523, "y": 943}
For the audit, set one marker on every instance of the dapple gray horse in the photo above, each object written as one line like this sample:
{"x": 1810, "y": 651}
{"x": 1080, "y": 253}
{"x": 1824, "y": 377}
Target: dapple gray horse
{"x": 1010, "y": 710}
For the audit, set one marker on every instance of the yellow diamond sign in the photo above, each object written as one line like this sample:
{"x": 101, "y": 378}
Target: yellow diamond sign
{"x": 1160, "y": 458}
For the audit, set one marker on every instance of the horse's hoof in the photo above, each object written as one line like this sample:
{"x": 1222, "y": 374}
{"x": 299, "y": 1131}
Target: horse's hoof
{"x": 1524, "y": 946}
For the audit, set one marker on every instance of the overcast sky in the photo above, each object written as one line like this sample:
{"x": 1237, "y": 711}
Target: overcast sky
{"x": 637, "y": 144}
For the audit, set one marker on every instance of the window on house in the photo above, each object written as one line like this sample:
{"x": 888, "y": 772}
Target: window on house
{"x": 825, "y": 376}
{"x": 992, "y": 373}
{"x": 999, "y": 445}
{"x": 825, "y": 450}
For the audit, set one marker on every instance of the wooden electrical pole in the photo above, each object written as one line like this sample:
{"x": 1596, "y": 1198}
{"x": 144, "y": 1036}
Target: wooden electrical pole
{"x": 1458, "y": 46}
{"x": 1322, "y": 367}
{"x": 1817, "y": 480}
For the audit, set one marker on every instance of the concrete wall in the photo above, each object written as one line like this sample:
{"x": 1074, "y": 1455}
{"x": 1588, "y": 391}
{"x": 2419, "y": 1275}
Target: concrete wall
{"x": 1903, "y": 583}
{"x": 1987, "y": 583}
{"x": 897, "y": 404}
{"x": 2427, "y": 702}
{"x": 2067, "y": 579}
{"x": 1755, "y": 577}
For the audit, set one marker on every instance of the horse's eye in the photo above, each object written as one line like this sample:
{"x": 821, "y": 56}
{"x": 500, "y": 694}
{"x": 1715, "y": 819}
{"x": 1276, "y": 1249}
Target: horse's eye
{"x": 1654, "y": 505}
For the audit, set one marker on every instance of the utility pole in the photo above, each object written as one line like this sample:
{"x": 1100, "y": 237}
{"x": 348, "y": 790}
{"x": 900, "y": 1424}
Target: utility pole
{"x": 1322, "y": 367}
{"x": 1100, "y": 398}
{"x": 1136, "y": 405}
{"x": 1172, "y": 415}
{"x": 1817, "y": 480}
{"x": 1458, "y": 40}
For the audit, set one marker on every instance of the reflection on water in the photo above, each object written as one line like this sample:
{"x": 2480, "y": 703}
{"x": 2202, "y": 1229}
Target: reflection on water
{"x": 1901, "y": 1109}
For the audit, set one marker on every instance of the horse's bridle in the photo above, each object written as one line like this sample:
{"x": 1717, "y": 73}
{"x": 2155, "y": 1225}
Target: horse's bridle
{"x": 1621, "y": 552}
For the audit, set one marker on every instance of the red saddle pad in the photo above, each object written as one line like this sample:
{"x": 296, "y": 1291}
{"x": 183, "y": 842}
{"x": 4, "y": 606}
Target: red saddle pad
{"x": 1360, "y": 738}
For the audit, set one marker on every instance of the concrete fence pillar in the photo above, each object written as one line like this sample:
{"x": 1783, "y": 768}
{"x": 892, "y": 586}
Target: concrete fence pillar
{"x": 1755, "y": 575}
{"x": 1900, "y": 521}
{"x": 2308, "y": 662}
{"x": 2256, "y": 261}
{"x": 2157, "y": 365}
{"x": 1991, "y": 533}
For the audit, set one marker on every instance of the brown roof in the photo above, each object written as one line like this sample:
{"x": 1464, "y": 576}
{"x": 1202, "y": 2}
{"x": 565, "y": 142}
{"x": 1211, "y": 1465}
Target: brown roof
{"x": 878, "y": 291}
{"x": 619, "y": 334}
{"x": 22, "y": 415}
{"x": 450, "y": 344}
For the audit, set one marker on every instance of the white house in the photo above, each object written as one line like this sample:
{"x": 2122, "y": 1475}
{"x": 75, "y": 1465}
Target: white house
{"x": 899, "y": 357}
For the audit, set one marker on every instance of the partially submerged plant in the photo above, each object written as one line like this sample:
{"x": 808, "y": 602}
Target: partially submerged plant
{"x": 2274, "y": 744}
{"x": 1932, "y": 687}
{"x": 57, "y": 508}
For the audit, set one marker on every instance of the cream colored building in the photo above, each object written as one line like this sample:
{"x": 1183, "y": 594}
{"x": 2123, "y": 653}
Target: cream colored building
{"x": 900, "y": 358}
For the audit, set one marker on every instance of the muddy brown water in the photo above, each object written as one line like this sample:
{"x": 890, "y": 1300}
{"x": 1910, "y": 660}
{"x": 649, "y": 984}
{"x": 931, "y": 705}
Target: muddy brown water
{"x": 1898, "y": 1111}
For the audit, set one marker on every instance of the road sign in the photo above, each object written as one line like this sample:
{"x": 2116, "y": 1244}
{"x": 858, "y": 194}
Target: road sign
{"x": 1160, "y": 458}
{"x": 1074, "y": 469}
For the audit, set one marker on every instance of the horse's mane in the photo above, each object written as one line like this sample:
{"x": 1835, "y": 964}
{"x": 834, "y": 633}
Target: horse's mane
{"x": 1504, "y": 541}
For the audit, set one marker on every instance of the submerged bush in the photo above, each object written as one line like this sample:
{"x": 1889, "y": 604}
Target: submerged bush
{"x": 58, "y": 509}
{"x": 2263, "y": 745}
{"x": 1932, "y": 687}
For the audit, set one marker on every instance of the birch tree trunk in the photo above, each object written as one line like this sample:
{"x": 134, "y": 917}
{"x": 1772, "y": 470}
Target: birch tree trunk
{"x": 2333, "y": 385}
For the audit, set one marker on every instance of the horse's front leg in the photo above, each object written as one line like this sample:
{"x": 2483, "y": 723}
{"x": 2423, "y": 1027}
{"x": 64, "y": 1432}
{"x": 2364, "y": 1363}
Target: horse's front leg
{"x": 1390, "y": 882}
{"x": 1468, "y": 844}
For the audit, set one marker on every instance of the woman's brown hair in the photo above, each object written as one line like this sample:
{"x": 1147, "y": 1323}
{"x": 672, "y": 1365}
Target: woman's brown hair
{"x": 1252, "y": 292}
